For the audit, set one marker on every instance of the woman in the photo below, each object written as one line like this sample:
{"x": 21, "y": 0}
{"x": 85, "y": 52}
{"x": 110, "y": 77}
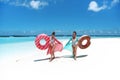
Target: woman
{"x": 74, "y": 44}
{"x": 55, "y": 45}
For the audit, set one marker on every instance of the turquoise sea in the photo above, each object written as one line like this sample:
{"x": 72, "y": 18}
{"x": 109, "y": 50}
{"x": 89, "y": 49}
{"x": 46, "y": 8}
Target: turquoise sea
{"x": 12, "y": 39}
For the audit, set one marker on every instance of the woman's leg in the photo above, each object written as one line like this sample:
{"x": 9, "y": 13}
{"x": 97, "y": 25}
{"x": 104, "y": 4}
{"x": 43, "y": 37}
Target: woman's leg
{"x": 52, "y": 53}
{"x": 74, "y": 51}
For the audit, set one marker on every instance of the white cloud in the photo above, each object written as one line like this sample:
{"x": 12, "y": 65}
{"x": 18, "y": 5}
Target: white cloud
{"x": 114, "y": 2}
{"x": 35, "y": 4}
{"x": 23, "y": 4}
{"x": 38, "y": 4}
{"x": 93, "y": 6}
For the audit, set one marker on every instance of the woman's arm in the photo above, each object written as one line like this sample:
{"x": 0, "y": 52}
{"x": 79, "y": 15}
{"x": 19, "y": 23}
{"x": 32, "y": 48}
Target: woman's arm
{"x": 68, "y": 41}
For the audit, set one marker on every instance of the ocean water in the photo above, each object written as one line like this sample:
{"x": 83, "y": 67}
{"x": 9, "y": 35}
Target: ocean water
{"x": 9, "y": 40}
{"x": 6, "y": 40}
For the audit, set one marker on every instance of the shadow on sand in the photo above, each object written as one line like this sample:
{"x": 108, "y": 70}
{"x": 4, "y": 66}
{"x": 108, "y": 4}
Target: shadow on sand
{"x": 66, "y": 56}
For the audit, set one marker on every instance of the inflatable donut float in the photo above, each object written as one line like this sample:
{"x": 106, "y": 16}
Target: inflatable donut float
{"x": 42, "y": 37}
{"x": 80, "y": 42}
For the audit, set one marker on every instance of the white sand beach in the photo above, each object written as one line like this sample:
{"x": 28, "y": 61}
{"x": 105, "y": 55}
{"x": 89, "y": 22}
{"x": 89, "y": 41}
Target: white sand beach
{"x": 101, "y": 63}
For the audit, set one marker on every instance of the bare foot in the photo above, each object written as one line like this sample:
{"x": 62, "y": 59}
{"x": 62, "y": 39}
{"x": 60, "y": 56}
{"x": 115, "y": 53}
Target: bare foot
{"x": 74, "y": 58}
{"x": 51, "y": 59}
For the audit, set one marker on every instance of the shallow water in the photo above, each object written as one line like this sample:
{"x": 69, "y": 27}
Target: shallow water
{"x": 5, "y": 40}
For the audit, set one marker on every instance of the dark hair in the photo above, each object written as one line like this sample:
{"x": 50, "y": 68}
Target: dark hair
{"x": 75, "y": 32}
{"x": 53, "y": 33}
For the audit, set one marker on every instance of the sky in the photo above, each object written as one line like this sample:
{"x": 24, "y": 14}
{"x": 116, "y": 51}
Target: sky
{"x": 62, "y": 16}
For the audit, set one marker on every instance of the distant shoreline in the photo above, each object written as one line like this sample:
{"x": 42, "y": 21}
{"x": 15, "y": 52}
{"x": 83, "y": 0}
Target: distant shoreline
{"x": 58, "y": 35}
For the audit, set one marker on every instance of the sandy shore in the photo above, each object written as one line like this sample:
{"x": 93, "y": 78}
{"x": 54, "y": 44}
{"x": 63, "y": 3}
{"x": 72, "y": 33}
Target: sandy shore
{"x": 102, "y": 62}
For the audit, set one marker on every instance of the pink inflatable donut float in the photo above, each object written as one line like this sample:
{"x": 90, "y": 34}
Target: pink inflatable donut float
{"x": 39, "y": 38}
{"x": 84, "y": 37}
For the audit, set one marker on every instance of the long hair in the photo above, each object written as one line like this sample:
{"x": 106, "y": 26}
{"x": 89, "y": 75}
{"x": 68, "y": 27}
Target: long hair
{"x": 75, "y": 32}
{"x": 53, "y": 33}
